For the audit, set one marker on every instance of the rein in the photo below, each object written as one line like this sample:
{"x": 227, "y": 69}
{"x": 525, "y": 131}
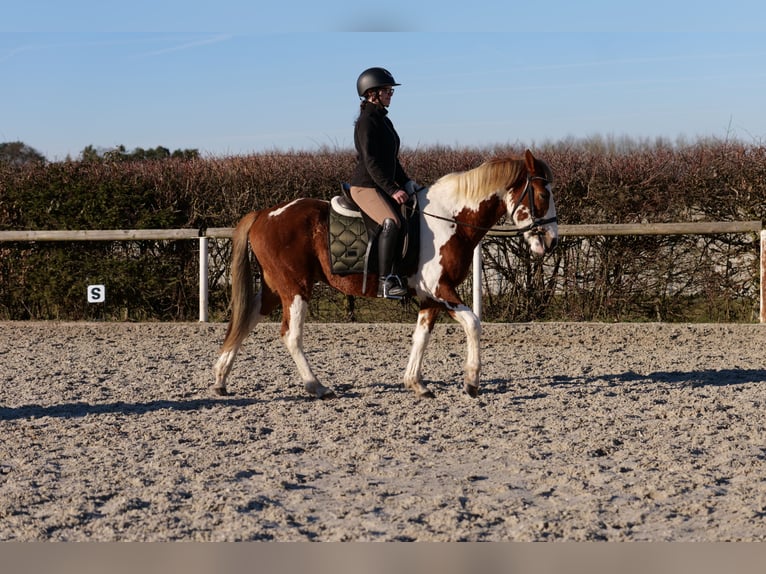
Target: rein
{"x": 536, "y": 222}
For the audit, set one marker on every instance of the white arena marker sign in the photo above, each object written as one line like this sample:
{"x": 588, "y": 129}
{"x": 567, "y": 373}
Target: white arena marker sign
{"x": 96, "y": 293}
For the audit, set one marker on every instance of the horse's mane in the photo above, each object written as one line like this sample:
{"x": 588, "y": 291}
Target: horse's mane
{"x": 488, "y": 178}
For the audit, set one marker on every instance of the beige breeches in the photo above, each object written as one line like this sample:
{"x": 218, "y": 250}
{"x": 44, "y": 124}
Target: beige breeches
{"x": 369, "y": 200}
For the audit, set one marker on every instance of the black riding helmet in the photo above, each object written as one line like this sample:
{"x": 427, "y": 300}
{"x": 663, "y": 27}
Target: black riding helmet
{"x": 374, "y": 78}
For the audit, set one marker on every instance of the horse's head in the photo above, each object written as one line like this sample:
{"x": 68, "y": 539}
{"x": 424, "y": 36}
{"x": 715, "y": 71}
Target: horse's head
{"x": 531, "y": 205}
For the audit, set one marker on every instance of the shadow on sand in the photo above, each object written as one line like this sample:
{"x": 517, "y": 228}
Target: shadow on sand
{"x": 82, "y": 409}
{"x": 691, "y": 379}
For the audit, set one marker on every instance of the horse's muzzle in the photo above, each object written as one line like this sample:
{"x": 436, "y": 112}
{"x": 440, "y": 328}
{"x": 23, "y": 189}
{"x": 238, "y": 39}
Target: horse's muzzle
{"x": 542, "y": 241}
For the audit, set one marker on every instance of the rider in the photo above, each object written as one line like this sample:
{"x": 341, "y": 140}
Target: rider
{"x": 378, "y": 181}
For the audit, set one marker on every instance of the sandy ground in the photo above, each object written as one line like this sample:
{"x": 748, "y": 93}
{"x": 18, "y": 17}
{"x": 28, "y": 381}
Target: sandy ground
{"x": 625, "y": 432}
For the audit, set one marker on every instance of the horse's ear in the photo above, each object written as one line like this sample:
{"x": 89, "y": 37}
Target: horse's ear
{"x": 530, "y": 161}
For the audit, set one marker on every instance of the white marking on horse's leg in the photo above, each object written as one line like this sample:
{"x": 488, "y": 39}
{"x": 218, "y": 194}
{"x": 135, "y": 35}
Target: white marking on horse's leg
{"x": 222, "y": 369}
{"x": 223, "y": 365}
{"x": 413, "y": 375}
{"x": 293, "y": 340}
{"x": 472, "y": 327}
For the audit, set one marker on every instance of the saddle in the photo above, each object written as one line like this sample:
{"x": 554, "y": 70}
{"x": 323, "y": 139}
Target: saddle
{"x": 352, "y": 237}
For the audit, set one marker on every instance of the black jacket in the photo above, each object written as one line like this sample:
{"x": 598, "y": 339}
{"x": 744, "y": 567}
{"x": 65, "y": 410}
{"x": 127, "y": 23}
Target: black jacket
{"x": 377, "y": 147}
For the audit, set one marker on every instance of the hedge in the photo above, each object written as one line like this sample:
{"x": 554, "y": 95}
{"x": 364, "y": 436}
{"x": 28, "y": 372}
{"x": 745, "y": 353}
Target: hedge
{"x": 666, "y": 278}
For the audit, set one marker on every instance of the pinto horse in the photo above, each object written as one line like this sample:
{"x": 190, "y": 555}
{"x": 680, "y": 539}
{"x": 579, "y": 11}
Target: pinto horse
{"x": 290, "y": 243}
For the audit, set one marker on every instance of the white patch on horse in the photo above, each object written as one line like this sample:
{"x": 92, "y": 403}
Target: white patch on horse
{"x": 433, "y": 237}
{"x": 413, "y": 372}
{"x": 550, "y": 213}
{"x": 222, "y": 368}
{"x": 472, "y": 327}
{"x": 281, "y": 210}
{"x": 537, "y": 245}
{"x": 293, "y": 339}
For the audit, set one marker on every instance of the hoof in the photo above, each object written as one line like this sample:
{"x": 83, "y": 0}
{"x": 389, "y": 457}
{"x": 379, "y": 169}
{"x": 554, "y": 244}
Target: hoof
{"x": 420, "y": 390}
{"x": 319, "y": 391}
{"x": 471, "y": 391}
{"x": 221, "y": 391}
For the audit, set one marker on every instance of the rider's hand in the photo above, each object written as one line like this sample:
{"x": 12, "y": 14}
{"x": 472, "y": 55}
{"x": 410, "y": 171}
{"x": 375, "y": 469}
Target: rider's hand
{"x": 400, "y": 196}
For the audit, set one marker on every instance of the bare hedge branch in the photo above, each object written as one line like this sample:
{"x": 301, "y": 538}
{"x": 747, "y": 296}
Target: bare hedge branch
{"x": 666, "y": 278}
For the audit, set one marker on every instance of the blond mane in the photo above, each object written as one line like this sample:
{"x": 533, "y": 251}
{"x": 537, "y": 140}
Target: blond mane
{"x": 483, "y": 181}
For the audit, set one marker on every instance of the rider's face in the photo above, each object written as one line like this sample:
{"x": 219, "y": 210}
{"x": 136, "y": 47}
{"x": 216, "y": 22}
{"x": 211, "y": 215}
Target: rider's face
{"x": 384, "y": 95}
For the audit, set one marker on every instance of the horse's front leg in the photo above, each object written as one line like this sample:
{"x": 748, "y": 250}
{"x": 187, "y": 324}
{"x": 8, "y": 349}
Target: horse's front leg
{"x": 293, "y": 320}
{"x": 413, "y": 376}
{"x": 472, "y": 327}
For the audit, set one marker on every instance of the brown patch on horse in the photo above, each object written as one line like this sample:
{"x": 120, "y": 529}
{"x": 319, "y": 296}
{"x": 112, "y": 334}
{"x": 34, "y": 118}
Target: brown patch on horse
{"x": 456, "y": 255}
{"x": 540, "y": 175}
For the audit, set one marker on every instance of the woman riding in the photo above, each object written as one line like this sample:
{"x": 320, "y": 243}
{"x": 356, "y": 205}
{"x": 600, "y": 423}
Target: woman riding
{"x": 378, "y": 182}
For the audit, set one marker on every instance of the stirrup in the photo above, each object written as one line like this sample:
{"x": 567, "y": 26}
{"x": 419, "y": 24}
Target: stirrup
{"x": 391, "y": 288}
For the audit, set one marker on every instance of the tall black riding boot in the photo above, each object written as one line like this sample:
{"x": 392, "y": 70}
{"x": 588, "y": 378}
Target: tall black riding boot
{"x": 389, "y": 285}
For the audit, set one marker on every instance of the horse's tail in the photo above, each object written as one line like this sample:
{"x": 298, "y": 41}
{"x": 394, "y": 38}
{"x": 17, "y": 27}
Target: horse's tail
{"x": 242, "y": 297}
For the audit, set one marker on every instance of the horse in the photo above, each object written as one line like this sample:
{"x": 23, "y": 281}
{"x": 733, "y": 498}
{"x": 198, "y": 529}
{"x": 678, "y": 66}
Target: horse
{"x": 289, "y": 242}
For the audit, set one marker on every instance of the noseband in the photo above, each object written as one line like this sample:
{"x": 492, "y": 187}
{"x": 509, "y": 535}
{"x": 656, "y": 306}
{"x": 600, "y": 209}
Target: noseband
{"x": 529, "y": 193}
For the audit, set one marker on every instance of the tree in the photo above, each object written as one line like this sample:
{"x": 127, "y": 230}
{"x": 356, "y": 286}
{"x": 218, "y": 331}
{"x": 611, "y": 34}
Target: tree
{"x": 90, "y": 153}
{"x": 120, "y": 153}
{"x": 18, "y": 153}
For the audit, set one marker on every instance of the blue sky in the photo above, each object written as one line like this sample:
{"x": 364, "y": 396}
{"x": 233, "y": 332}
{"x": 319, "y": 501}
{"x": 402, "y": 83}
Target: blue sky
{"x": 232, "y": 78}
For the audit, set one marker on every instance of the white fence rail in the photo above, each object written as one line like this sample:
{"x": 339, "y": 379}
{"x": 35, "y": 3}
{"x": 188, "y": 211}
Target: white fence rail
{"x": 203, "y": 235}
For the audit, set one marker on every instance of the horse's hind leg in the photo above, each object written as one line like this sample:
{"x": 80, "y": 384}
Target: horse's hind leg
{"x": 235, "y": 334}
{"x": 292, "y": 336}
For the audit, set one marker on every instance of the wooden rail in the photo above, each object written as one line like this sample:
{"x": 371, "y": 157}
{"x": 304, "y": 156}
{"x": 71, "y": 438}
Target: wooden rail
{"x": 599, "y": 229}
{"x": 604, "y": 229}
{"x": 102, "y": 235}
{"x": 699, "y": 228}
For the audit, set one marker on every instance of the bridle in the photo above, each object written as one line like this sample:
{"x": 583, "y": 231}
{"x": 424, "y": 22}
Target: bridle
{"x": 537, "y": 222}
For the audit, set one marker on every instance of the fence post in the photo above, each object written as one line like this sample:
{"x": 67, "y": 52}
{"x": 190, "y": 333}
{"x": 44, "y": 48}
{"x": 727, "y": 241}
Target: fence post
{"x": 477, "y": 280}
{"x": 763, "y": 276}
{"x": 203, "y": 274}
